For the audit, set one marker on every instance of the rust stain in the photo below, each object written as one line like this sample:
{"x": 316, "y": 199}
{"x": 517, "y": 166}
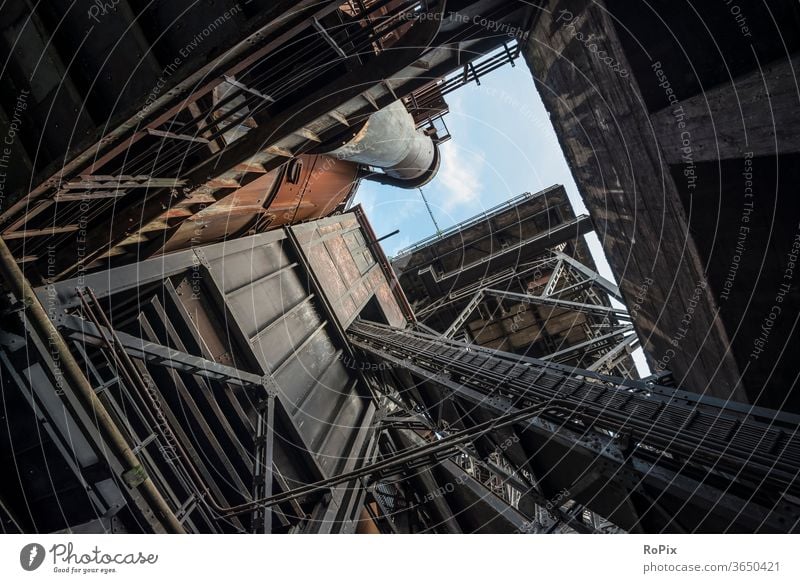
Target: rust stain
{"x": 306, "y": 188}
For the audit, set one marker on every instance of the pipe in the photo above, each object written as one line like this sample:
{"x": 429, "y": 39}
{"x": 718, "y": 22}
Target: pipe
{"x": 73, "y": 374}
{"x": 383, "y": 238}
{"x": 391, "y": 141}
{"x": 419, "y": 181}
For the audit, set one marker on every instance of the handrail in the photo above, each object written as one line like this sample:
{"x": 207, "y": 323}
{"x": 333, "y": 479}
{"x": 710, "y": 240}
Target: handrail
{"x": 493, "y": 211}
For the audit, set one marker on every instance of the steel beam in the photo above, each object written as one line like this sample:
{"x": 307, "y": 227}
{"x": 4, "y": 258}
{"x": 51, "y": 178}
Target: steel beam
{"x": 153, "y": 353}
{"x": 73, "y": 375}
{"x": 591, "y": 275}
{"x": 555, "y": 275}
{"x": 607, "y": 311}
{"x": 713, "y": 440}
{"x": 464, "y": 315}
{"x": 627, "y": 343}
{"x": 586, "y": 346}
{"x": 263, "y": 472}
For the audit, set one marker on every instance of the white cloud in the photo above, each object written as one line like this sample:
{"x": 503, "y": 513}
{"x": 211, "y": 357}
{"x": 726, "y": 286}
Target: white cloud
{"x": 459, "y": 177}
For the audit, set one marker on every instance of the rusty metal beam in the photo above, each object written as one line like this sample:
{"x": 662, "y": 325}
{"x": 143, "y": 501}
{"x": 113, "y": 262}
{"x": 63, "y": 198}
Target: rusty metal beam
{"x": 192, "y": 88}
{"x": 43, "y": 232}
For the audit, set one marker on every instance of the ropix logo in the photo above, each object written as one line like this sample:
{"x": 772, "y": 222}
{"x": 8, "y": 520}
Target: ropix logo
{"x": 31, "y": 556}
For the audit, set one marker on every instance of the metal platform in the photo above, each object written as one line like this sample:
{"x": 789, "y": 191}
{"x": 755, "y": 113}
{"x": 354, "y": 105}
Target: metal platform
{"x": 647, "y": 458}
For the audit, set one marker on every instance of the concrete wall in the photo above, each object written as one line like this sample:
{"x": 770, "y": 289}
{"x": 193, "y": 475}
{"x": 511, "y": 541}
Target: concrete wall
{"x": 679, "y": 127}
{"x": 605, "y": 131}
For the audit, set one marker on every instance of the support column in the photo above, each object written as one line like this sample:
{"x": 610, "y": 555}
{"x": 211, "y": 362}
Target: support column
{"x": 734, "y": 118}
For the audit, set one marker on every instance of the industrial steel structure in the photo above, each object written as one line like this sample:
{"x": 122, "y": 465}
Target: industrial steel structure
{"x": 520, "y": 278}
{"x": 213, "y": 366}
{"x": 274, "y": 384}
{"x": 234, "y": 119}
{"x": 680, "y": 126}
{"x": 201, "y": 333}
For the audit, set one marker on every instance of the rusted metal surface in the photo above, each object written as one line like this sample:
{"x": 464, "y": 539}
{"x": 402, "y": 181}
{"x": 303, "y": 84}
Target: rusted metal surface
{"x": 670, "y": 227}
{"x": 259, "y": 306}
{"x": 393, "y": 288}
{"x": 155, "y": 150}
{"x": 509, "y": 248}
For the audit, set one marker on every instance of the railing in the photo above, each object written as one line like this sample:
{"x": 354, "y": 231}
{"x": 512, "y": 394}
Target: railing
{"x": 495, "y": 210}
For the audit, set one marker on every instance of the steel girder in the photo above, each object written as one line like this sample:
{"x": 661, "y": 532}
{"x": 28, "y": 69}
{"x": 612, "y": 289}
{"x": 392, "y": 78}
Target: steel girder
{"x": 648, "y": 460}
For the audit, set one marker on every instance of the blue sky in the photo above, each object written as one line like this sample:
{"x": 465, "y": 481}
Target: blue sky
{"x": 503, "y": 145}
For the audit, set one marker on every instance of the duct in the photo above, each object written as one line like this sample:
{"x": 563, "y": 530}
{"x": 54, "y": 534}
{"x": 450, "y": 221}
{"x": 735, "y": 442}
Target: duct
{"x": 308, "y": 187}
{"x": 390, "y": 140}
